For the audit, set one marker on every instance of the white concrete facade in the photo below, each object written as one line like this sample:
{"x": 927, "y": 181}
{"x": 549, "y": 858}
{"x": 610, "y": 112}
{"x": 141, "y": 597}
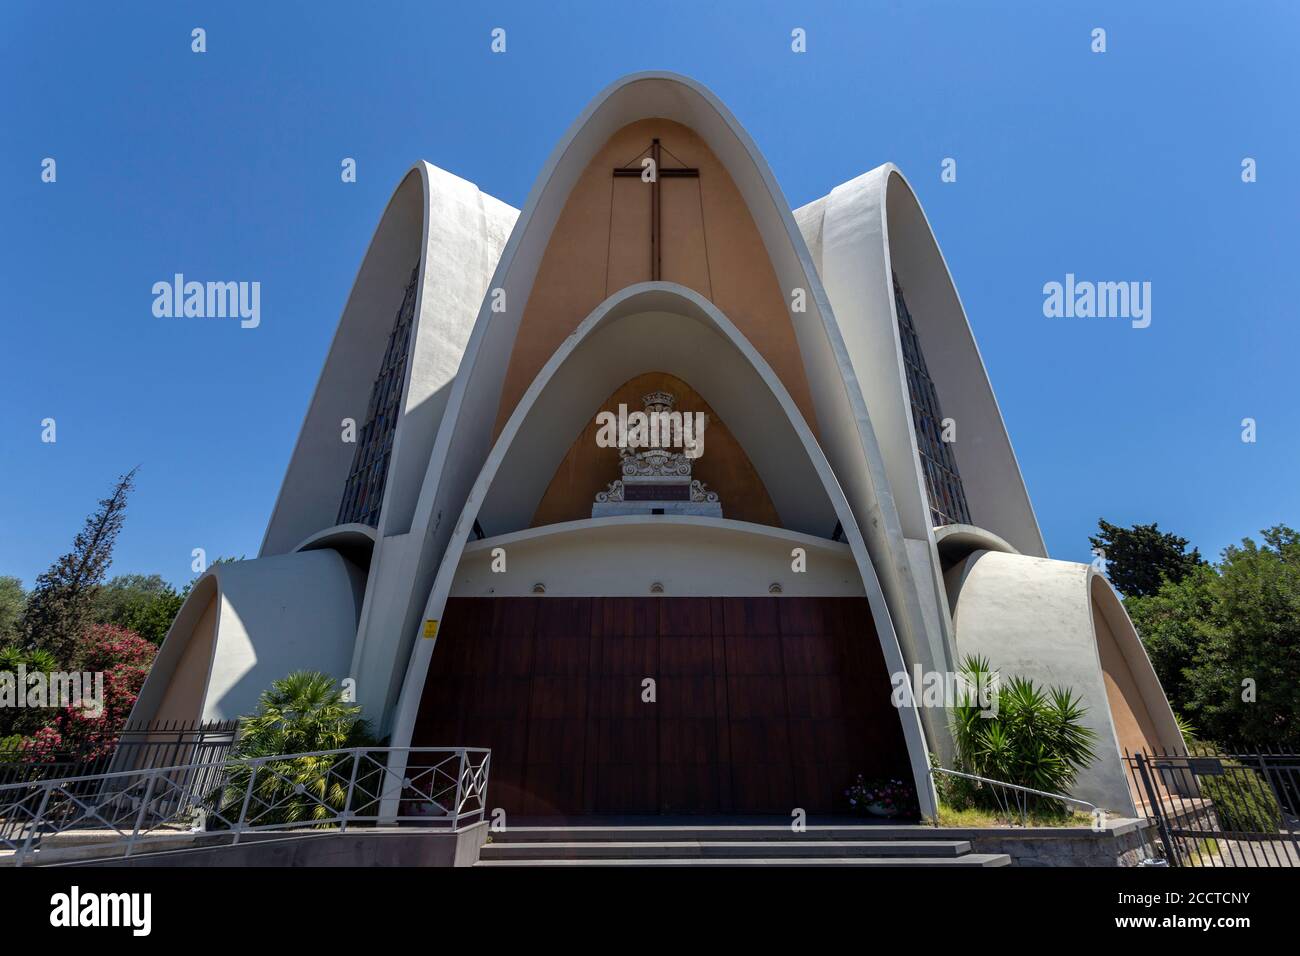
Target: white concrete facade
{"x": 361, "y": 595}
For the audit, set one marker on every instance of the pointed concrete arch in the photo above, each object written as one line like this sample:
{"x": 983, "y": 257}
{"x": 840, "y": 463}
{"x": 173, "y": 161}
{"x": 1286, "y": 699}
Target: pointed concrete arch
{"x": 844, "y": 427}
{"x": 453, "y": 233}
{"x": 642, "y": 298}
{"x": 863, "y": 232}
{"x": 586, "y": 468}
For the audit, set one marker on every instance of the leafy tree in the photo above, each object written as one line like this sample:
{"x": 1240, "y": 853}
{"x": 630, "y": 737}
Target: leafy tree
{"x": 145, "y": 604}
{"x": 1139, "y": 559}
{"x": 60, "y": 605}
{"x": 1255, "y": 643}
{"x": 1173, "y": 624}
{"x": 1225, "y": 642}
{"x": 304, "y": 712}
{"x": 12, "y": 601}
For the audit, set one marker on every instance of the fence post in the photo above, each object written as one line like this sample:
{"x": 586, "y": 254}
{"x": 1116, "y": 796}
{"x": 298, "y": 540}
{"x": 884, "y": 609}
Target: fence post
{"x": 248, "y": 794}
{"x": 1153, "y": 801}
{"x": 139, "y": 817}
{"x": 35, "y": 825}
{"x": 460, "y": 782}
{"x": 352, "y": 783}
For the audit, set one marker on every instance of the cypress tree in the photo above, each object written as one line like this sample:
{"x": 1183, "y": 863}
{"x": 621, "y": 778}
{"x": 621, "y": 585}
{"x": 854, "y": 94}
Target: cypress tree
{"x": 60, "y": 605}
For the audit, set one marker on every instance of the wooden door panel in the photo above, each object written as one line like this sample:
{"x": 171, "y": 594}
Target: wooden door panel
{"x": 762, "y": 704}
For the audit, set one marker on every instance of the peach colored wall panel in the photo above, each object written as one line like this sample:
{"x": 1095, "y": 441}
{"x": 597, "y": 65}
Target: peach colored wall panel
{"x": 601, "y": 243}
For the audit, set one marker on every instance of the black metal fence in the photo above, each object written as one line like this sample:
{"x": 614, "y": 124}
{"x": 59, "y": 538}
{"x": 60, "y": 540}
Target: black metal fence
{"x": 140, "y": 746}
{"x": 1214, "y": 808}
{"x": 197, "y": 749}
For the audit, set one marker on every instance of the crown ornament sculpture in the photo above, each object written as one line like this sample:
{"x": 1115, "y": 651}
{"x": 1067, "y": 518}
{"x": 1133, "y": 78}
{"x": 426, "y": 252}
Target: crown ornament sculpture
{"x": 657, "y": 480}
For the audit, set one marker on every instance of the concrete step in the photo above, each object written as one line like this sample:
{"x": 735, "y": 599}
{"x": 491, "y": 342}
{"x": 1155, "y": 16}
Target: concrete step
{"x": 966, "y": 860}
{"x": 692, "y": 849}
{"x": 714, "y": 834}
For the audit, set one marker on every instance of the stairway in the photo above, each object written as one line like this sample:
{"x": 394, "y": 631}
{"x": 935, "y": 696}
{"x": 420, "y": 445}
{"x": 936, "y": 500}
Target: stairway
{"x": 728, "y": 846}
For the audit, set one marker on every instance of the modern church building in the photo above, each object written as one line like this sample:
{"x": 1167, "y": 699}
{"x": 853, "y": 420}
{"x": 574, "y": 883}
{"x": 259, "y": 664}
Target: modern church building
{"x": 478, "y": 529}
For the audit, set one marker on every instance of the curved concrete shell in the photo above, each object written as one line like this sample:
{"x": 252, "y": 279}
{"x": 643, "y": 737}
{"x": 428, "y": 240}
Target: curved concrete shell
{"x": 248, "y": 623}
{"x": 453, "y": 234}
{"x": 864, "y": 232}
{"x": 1060, "y": 623}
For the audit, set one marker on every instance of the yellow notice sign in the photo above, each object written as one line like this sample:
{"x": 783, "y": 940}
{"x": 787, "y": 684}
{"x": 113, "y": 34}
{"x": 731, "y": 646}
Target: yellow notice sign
{"x": 430, "y": 628}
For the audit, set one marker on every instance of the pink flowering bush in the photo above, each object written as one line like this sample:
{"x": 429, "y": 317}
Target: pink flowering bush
{"x": 124, "y": 658}
{"x": 106, "y": 647}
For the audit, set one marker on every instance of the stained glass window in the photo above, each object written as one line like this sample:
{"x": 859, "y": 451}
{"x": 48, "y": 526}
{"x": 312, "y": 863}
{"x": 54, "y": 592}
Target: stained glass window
{"x": 364, "y": 491}
{"x": 942, "y": 480}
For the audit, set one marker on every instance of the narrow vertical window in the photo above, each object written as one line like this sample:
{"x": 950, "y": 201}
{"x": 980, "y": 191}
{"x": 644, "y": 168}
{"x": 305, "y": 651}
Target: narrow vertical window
{"x": 363, "y": 492}
{"x": 942, "y": 480}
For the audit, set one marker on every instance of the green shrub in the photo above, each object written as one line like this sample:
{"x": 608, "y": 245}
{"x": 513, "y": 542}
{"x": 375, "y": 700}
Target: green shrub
{"x": 1036, "y": 739}
{"x": 301, "y": 713}
{"x": 1242, "y": 798}
{"x": 26, "y": 721}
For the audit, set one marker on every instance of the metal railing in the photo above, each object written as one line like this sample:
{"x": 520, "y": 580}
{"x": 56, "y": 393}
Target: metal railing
{"x": 130, "y": 811}
{"x": 1215, "y": 808}
{"x": 1014, "y": 800}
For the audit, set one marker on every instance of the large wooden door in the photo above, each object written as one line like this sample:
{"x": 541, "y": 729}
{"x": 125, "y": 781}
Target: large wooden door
{"x": 760, "y": 705}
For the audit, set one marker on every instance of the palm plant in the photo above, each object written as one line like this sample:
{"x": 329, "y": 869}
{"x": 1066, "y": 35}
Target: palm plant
{"x": 301, "y": 713}
{"x": 1036, "y": 738}
{"x": 36, "y": 659}
{"x": 25, "y": 721}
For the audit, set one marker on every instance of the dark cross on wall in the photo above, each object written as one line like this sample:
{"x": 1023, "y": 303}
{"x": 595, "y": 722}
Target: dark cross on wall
{"x": 679, "y": 172}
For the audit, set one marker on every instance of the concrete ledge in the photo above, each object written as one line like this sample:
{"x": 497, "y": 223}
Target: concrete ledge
{"x": 387, "y": 846}
{"x": 1124, "y": 842}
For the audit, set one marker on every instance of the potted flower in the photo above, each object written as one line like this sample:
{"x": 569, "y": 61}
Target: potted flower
{"x": 880, "y": 798}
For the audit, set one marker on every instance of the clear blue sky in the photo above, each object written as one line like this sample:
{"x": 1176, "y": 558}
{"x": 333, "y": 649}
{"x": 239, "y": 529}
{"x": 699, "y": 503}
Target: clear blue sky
{"x": 225, "y": 165}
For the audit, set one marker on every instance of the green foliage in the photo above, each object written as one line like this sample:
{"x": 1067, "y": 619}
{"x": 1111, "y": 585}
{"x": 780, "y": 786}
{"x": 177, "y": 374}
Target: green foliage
{"x": 61, "y": 603}
{"x": 1243, "y": 800}
{"x": 145, "y": 604}
{"x": 1225, "y": 642}
{"x": 303, "y": 712}
{"x": 1056, "y": 815}
{"x": 1185, "y": 729}
{"x": 11, "y": 658}
{"x": 1173, "y": 624}
{"x": 12, "y": 601}
{"x": 1141, "y": 558}
{"x": 1036, "y": 739}
{"x": 22, "y": 722}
